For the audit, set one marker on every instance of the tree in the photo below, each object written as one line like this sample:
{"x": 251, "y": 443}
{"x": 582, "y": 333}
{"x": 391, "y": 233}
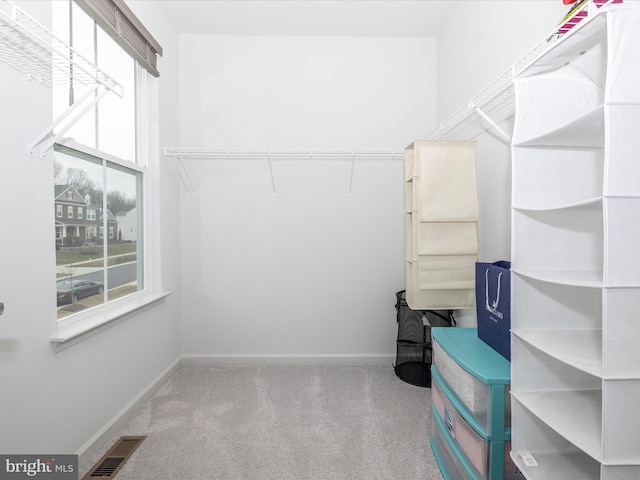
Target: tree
{"x": 80, "y": 180}
{"x": 117, "y": 202}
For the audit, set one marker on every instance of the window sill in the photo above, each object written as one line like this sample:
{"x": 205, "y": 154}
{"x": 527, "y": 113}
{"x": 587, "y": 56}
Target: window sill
{"x": 85, "y": 325}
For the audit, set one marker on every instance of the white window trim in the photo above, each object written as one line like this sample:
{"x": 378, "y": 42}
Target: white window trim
{"x": 87, "y": 324}
{"x": 81, "y": 326}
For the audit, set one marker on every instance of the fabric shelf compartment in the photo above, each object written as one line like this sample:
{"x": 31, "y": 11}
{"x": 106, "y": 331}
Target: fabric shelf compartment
{"x": 445, "y": 238}
{"x": 447, "y": 191}
{"x": 621, "y": 160}
{"x": 558, "y": 103}
{"x": 436, "y": 299}
{"x": 553, "y": 167}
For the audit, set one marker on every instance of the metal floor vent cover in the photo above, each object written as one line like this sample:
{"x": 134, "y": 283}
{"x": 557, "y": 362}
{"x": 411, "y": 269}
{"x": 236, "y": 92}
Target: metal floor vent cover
{"x": 112, "y": 461}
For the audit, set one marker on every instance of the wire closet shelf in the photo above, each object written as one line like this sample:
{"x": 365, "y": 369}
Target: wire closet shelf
{"x": 496, "y": 102}
{"x": 29, "y": 47}
{"x": 271, "y": 155}
{"x": 485, "y": 111}
{"x": 32, "y": 49}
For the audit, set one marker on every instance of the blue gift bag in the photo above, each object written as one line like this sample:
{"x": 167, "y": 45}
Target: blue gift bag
{"x": 493, "y": 305}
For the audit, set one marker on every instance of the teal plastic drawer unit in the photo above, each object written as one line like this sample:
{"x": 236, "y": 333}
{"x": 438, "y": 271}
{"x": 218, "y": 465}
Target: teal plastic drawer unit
{"x": 470, "y": 406}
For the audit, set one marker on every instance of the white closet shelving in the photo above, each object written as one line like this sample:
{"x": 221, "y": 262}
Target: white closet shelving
{"x": 179, "y": 155}
{"x": 496, "y": 102}
{"x": 575, "y": 256}
{"x": 486, "y": 110}
{"x": 29, "y": 47}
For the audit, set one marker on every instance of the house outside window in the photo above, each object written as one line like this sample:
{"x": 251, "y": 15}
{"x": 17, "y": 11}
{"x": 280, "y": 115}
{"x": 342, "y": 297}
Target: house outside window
{"x": 80, "y": 213}
{"x": 69, "y": 212}
{"x": 59, "y": 211}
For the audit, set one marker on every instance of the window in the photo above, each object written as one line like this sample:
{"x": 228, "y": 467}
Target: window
{"x": 112, "y": 185}
{"x": 101, "y": 171}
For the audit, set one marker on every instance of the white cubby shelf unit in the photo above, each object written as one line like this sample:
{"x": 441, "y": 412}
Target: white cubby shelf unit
{"x": 575, "y": 254}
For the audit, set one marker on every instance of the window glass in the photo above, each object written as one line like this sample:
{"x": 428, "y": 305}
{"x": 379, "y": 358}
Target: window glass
{"x": 110, "y": 126}
{"x": 91, "y": 269}
{"x": 116, "y": 116}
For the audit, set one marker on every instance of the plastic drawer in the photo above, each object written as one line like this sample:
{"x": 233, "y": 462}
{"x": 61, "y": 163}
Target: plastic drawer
{"x": 474, "y": 394}
{"x": 469, "y": 442}
{"x": 450, "y": 466}
{"x": 475, "y": 448}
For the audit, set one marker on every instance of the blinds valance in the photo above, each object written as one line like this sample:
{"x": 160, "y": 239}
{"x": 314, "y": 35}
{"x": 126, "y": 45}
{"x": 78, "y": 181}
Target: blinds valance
{"x": 126, "y": 29}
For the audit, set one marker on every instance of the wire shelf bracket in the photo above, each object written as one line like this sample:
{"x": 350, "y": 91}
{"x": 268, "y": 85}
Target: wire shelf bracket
{"x": 32, "y": 49}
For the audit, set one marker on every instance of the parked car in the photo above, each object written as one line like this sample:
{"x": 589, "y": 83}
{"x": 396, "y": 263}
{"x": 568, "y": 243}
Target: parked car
{"x": 70, "y": 291}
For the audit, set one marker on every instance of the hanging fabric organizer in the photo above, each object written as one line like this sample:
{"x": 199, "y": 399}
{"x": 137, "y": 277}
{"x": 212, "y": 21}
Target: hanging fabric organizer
{"x": 441, "y": 224}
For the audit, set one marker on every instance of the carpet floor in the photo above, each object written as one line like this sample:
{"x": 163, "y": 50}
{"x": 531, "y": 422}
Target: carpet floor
{"x": 267, "y": 422}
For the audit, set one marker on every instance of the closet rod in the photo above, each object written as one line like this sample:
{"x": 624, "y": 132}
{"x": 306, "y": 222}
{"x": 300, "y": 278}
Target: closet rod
{"x": 179, "y": 156}
{"x": 283, "y": 154}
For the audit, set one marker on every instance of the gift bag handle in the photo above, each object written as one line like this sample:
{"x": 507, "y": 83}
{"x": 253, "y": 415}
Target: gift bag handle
{"x": 494, "y": 305}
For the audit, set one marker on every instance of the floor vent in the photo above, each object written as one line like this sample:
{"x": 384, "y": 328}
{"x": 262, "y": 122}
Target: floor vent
{"x": 111, "y": 463}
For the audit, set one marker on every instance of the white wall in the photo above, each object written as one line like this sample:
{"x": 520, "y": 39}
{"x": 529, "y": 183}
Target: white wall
{"x": 311, "y": 271}
{"x": 479, "y": 43}
{"x": 56, "y": 402}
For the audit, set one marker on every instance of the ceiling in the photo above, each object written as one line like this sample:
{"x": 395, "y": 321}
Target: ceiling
{"x": 310, "y": 17}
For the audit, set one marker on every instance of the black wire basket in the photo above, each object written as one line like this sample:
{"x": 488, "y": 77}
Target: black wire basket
{"x": 414, "y": 350}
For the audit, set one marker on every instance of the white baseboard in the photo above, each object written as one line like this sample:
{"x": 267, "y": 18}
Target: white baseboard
{"x": 97, "y": 441}
{"x": 289, "y": 359}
